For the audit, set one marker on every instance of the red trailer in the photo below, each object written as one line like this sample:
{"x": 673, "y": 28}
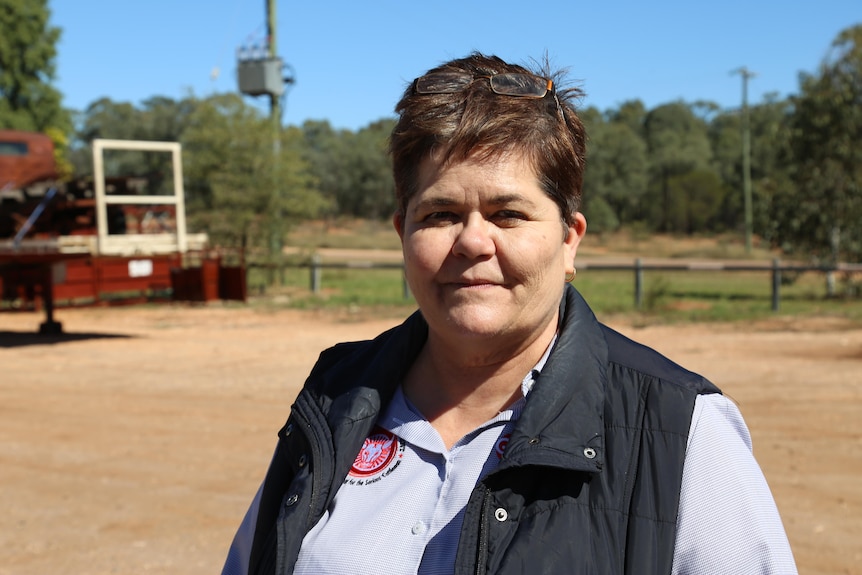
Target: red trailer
{"x": 100, "y": 240}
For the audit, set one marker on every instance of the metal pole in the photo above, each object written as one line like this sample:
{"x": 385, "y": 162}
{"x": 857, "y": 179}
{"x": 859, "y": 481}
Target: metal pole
{"x": 50, "y": 326}
{"x": 275, "y": 118}
{"x": 639, "y": 283}
{"x": 776, "y": 284}
{"x": 315, "y": 273}
{"x": 746, "y": 158}
{"x": 274, "y": 105}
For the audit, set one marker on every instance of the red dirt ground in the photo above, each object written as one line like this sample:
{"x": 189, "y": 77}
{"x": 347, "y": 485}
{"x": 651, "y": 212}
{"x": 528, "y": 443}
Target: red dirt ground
{"x": 134, "y": 443}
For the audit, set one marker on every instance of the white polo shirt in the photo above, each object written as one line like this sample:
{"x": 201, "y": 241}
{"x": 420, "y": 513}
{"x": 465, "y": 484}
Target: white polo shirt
{"x": 401, "y": 507}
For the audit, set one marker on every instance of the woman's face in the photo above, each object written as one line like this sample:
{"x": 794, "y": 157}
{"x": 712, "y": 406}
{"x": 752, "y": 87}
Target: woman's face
{"x": 485, "y": 253}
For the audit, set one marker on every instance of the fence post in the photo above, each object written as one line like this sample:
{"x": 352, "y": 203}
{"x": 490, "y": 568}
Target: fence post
{"x": 639, "y": 283}
{"x": 830, "y": 283}
{"x": 776, "y": 284}
{"x": 315, "y": 273}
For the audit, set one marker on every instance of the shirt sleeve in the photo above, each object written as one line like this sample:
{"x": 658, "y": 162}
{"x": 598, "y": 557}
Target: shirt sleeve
{"x": 237, "y": 562}
{"x": 728, "y": 523}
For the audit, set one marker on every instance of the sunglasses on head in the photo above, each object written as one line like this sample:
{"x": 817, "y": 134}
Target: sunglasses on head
{"x": 519, "y": 85}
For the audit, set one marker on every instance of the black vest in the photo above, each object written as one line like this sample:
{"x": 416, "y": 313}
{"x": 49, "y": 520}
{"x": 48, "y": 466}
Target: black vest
{"x": 590, "y": 480}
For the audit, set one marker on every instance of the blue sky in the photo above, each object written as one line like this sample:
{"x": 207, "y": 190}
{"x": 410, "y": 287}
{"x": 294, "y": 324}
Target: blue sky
{"x": 353, "y": 58}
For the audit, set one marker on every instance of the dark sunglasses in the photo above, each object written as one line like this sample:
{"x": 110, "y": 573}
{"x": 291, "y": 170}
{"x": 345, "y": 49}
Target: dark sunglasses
{"x": 520, "y": 85}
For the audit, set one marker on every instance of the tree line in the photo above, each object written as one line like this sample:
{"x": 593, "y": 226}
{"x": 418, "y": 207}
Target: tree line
{"x": 676, "y": 168}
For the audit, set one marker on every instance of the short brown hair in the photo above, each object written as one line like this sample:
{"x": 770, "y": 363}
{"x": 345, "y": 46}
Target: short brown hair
{"x": 476, "y": 122}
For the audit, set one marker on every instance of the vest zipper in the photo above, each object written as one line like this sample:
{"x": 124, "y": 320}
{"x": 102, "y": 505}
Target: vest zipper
{"x": 316, "y": 479}
{"x": 482, "y": 558}
{"x": 316, "y": 458}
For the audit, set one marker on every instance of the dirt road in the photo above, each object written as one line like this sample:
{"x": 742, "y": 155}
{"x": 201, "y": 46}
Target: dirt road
{"x": 134, "y": 443}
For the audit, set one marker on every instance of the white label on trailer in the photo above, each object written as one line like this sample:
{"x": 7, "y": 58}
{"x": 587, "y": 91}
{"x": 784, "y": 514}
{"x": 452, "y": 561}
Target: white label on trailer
{"x": 140, "y": 268}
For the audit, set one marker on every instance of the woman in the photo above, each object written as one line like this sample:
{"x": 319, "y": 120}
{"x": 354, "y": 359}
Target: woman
{"x": 502, "y": 428}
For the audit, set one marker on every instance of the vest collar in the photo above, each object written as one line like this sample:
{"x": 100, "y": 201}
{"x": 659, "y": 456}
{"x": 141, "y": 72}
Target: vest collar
{"x": 562, "y": 424}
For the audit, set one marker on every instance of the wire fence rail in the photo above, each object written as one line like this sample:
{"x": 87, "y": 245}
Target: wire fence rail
{"x": 638, "y": 266}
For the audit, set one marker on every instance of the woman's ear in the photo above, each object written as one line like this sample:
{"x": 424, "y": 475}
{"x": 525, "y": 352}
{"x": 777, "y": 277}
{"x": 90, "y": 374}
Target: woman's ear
{"x": 398, "y": 223}
{"x": 577, "y": 229}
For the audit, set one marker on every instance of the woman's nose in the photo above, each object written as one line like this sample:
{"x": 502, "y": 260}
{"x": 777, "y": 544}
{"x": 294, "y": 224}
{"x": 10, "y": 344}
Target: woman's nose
{"x": 474, "y": 238}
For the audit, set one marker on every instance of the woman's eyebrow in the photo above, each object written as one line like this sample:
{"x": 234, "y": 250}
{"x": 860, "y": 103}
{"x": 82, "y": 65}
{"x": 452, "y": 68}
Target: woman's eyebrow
{"x": 505, "y": 199}
{"x": 435, "y": 202}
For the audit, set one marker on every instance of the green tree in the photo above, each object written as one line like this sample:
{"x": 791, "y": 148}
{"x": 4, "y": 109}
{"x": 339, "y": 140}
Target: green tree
{"x": 370, "y": 190}
{"x": 239, "y": 188}
{"x": 107, "y": 119}
{"x": 820, "y": 214}
{"x": 28, "y": 101}
{"x": 352, "y": 168}
{"x": 617, "y": 171}
{"x": 770, "y": 137}
{"x": 694, "y": 200}
{"x": 325, "y": 148}
{"x": 725, "y": 137}
{"x": 677, "y": 143}
{"x": 165, "y": 119}
{"x": 632, "y": 114}
{"x": 157, "y": 119}
{"x": 768, "y": 124}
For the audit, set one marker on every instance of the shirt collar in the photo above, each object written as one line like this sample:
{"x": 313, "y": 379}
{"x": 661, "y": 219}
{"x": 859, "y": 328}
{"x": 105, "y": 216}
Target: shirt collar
{"x": 531, "y": 377}
{"x": 529, "y": 381}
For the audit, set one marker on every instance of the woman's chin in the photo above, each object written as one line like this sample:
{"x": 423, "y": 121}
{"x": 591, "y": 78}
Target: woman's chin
{"x": 474, "y": 323}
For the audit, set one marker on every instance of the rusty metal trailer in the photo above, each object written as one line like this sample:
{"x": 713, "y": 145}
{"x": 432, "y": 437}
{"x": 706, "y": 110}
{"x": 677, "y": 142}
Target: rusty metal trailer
{"x": 45, "y": 268}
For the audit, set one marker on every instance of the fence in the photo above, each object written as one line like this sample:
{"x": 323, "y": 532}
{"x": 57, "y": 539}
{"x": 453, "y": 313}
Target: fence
{"x": 775, "y": 268}
{"x": 638, "y": 267}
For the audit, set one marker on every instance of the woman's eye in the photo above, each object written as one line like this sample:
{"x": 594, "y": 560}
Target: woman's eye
{"x": 440, "y": 217}
{"x": 509, "y": 217}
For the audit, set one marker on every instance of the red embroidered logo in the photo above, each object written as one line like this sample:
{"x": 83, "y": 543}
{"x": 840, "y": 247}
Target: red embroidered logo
{"x": 378, "y": 451}
{"x": 501, "y": 444}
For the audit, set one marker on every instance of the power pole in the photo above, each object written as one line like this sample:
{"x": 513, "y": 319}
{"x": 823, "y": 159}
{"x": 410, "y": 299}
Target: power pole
{"x": 746, "y": 157}
{"x": 274, "y": 107}
{"x": 261, "y": 72}
{"x": 275, "y": 118}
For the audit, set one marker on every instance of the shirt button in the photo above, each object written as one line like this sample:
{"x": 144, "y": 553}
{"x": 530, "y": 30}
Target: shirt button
{"x": 589, "y": 453}
{"x": 418, "y": 529}
{"x": 290, "y": 501}
{"x": 288, "y": 430}
{"x": 501, "y": 514}
{"x": 302, "y": 460}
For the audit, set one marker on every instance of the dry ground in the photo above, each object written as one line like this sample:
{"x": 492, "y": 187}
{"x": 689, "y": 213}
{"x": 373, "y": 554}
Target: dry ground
{"x": 134, "y": 443}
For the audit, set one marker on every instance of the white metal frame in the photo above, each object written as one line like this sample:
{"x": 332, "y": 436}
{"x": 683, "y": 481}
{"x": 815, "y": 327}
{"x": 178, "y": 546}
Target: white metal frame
{"x": 138, "y": 243}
